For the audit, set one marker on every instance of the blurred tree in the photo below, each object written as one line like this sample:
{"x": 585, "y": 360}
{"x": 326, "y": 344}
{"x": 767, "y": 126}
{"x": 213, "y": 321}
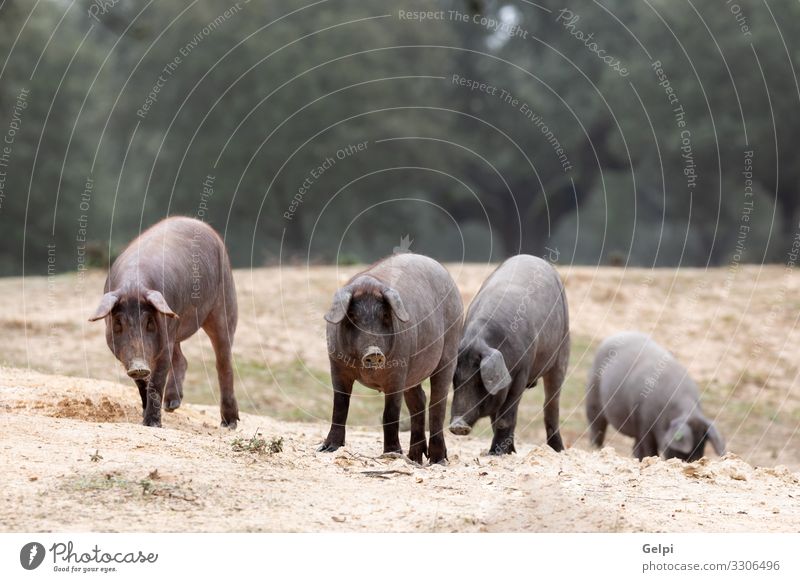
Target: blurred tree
{"x": 230, "y": 112}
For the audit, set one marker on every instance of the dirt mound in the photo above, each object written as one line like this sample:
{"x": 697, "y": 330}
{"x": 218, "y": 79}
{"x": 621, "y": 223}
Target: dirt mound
{"x": 104, "y": 410}
{"x": 76, "y": 458}
{"x": 26, "y": 392}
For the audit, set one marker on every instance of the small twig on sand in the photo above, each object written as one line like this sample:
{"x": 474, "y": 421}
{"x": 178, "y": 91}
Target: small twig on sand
{"x": 360, "y": 458}
{"x": 383, "y": 474}
{"x": 395, "y": 456}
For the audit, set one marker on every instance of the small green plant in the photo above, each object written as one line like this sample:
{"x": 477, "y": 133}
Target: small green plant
{"x": 103, "y": 483}
{"x": 147, "y": 486}
{"x": 258, "y": 445}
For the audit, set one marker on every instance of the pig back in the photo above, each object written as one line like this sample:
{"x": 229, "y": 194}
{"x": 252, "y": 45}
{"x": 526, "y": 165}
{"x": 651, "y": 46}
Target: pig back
{"x": 524, "y": 301}
{"x": 640, "y": 382}
{"x": 184, "y": 259}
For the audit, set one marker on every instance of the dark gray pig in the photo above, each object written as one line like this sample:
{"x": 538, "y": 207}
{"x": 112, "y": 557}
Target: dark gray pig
{"x": 170, "y": 281}
{"x": 645, "y": 393}
{"x": 516, "y": 331}
{"x": 391, "y": 327}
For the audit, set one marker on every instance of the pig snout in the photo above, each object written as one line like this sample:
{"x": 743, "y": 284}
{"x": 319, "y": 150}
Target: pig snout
{"x": 460, "y": 427}
{"x": 139, "y": 370}
{"x": 373, "y": 358}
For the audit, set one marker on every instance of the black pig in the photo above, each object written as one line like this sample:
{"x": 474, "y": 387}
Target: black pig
{"x": 644, "y": 392}
{"x": 391, "y": 327}
{"x": 516, "y": 331}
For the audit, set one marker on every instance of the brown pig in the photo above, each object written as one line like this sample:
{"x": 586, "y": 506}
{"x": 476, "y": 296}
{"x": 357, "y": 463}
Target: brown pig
{"x": 170, "y": 281}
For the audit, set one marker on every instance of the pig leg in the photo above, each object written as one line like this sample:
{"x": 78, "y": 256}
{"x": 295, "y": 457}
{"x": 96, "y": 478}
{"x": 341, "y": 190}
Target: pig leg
{"x": 415, "y": 401}
{"x": 155, "y": 393}
{"x": 342, "y": 389}
{"x": 552, "y": 392}
{"x": 645, "y": 446}
{"x": 594, "y": 412}
{"x": 174, "y": 391}
{"x": 437, "y": 409}
{"x": 503, "y": 425}
{"x": 220, "y": 332}
{"x": 142, "y": 386}
{"x": 597, "y": 429}
{"x": 504, "y": 421}
{"x": 391, "y": 421}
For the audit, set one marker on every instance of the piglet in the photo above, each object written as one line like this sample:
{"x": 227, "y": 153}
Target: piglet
{"x": 645, "y": 393}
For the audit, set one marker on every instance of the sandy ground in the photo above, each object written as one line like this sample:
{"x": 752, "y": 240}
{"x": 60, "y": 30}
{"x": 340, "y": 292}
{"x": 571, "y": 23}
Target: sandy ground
{"x": 74, "y": 458}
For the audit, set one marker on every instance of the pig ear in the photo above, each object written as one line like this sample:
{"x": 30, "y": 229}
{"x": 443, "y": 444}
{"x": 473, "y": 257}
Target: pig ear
{"x": 107, "y": 303}
{"x": 712, "y": 434}
{"x": 341, "y": 303}
{"x": 157, "y": 300}
{"x": 680, "y": 437}
{"x": 393, "y": 298}
{"x": 494, "y": 373}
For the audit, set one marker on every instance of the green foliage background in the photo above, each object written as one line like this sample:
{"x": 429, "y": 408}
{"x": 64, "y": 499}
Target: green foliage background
{"x": 270, "y": 92}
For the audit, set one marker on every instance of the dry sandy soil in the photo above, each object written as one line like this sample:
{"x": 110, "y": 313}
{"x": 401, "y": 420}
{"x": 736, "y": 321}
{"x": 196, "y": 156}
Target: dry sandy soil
{"x": 75, "y": 458}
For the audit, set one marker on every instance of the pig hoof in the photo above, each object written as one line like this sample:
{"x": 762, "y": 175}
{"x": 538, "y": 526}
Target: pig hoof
{"x": 437, "y": 456}
{"x": 328, "y": 447}
{"x": 497, "y": 451}
{"x": 438, "y": 460}
{"x": 503, "y": 448}
{"x": 415, "y": 453}
{"x": 172, "y": 405}
{"x": 154, "y": 422}
{"x": 230, "y": 424}
{"x": 555, "y": 443}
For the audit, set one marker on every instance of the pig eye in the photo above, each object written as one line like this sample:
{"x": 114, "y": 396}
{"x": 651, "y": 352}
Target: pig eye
{"x": 117, "y": 325}
{"x": 151, "y": 324}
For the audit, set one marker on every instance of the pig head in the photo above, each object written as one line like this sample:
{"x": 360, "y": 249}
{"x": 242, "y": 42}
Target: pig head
{"x": 363, "y": 313}
{"x": 686, "y": 437}
{"x": 138, "y": 324}
{"x": 480, "y": 383}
